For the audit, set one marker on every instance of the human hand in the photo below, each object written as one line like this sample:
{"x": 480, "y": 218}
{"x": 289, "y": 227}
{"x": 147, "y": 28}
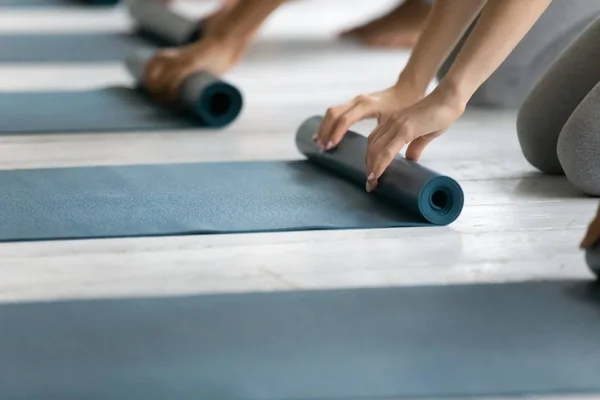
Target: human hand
{"x": 378, "y": 105}
{"x": 167, "y": 70}
{"x": 415, "y": 126}
{"x": 592, "y": 235}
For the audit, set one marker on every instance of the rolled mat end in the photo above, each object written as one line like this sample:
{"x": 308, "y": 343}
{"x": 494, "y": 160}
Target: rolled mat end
{"x": 214, "y": 102}
{"x": 436, "y": 198}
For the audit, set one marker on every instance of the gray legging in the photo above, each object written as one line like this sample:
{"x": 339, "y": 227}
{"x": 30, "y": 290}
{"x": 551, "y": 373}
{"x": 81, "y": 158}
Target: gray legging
{"x": 559, "y": 123}
{"x": 555, "y": 30}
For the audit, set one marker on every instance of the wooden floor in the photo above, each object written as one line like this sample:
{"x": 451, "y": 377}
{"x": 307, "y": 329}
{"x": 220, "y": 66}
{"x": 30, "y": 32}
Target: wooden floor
{"x": 516, "y": 224}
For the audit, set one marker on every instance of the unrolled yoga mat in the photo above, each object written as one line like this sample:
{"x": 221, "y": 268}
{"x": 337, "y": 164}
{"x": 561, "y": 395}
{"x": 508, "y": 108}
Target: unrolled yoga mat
{"x": 155, "y": 26}
{"x": 326, "y": 191}
{"x": 359, "y": 344}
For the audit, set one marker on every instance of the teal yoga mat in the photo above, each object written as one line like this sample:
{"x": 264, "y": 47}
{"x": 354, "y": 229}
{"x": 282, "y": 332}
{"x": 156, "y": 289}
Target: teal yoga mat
{"x": 505, "y": 340}
{"x": 324, "y": 191}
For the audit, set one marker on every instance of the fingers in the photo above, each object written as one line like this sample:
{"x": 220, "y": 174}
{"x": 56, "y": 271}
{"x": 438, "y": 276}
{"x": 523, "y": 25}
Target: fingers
{"x": 383, "y": 151}
{"x": 361, "y": 110}
{"x": 417, "y": 146}
{"x": 339, "y": 119}
{"x": 174, "y": 82}
{"x": 153, "y": 72}
{"x": 327, "y": 125}
{"x": 163, "y": 76}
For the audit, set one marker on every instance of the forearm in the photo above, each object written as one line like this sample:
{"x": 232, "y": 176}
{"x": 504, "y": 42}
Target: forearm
{"x": 243, "y": 20}
{"x": 502, "y": 25}
{"x": 446, "y": 24}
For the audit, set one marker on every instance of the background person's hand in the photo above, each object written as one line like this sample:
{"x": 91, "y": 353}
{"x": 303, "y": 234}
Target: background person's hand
{"x": 415, "y": 126}
{"x": 378, "y": 105}
{"x": 592, "y": 235}
{"x": 167, "y": 70}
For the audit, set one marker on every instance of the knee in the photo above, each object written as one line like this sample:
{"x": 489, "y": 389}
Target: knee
{"x": 579, "y": 145}
{"x": 579, "y": 156}
{"x": 537, "y": 137}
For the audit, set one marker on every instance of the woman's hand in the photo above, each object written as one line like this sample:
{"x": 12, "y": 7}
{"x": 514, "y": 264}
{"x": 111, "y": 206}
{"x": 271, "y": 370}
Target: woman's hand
{"x": 415, "y": 126}
{"x": 378, "y": 105}
{"x": 592, "y": 235}
{"x": 167, "y": 70}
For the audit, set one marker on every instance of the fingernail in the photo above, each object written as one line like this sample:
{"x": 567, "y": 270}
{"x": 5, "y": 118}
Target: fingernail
{"x": 321, "y": 148}
{"x": 371, "y": 176}
{"x": 314, "y": 138}
{"x": 329, "y": 146}
{"x": 368, "y": 187}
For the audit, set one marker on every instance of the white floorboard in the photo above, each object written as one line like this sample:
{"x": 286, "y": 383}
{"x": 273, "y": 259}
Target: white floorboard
{"x": 516, "y": 225}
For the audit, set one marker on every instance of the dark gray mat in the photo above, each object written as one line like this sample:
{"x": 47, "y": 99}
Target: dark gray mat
{"x": 387, "y": 343}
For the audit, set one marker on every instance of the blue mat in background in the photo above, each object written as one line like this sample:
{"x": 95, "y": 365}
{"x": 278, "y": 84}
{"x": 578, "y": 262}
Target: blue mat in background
{"x": 102, "y": 110}
{"x": 54, "y": 3}
{"x": 359, "y": 344}
{"x": 72, "y": 47}
{"x": 326, "y": 191}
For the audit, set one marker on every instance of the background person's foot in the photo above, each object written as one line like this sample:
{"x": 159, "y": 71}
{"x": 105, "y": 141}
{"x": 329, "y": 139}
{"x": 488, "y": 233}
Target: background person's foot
{"x": 400, "y": 27}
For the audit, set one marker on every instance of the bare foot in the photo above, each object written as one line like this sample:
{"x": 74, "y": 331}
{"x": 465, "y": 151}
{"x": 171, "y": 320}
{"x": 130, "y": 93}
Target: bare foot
{"x": 400, "y": 27}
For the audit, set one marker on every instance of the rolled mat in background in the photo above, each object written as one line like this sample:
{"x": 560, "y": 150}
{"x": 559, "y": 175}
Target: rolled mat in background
{"x": 323, "y": 192}
{"x": 480, "y": 340}
{"x": 592, "y": 257}
{"x": 159, "y": 22}
{"x": 204, "y": 102}
{"x": 155, "y": 26}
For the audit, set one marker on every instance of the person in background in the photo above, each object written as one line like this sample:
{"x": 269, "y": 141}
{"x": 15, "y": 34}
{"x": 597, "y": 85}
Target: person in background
{"x": 229, "y": 31}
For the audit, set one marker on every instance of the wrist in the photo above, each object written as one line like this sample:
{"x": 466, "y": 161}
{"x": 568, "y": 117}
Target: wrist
{"x": 409, "y": 87}
{"x": 413, "y": 80}
{"x": 453, "y": 92}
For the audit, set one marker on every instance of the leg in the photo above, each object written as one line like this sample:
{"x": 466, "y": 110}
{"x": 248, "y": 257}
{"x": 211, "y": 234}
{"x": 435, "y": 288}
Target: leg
{"x": 400, "y": 27}
{"x": 554, "y": 99}
{"x": 512, "y": 82}
{"x": 579, "y": 144}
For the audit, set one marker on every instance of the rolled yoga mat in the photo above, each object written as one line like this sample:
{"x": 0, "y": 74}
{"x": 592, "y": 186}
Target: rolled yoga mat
{"x": 592, "y": 257}
{"x": 466, "y": 341}
{"x": 156, "y": 27}
{"x": 326, "y": 191}
{"x": 158, "y": 21}
{"x": 204, "y": 102}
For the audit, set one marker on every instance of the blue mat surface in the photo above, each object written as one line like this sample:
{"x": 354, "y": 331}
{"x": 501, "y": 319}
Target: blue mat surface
{"x": 325, "y": 191}
{"x": 358, "y": 344}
